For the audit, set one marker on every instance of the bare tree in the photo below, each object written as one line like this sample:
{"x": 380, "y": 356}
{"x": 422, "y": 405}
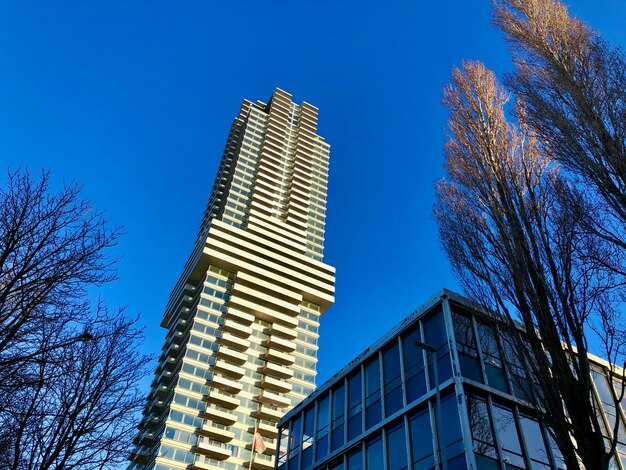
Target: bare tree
{"x": 69, "y": 372}
{"x": 574, "y": 89}
{"x": 511, "y": 225}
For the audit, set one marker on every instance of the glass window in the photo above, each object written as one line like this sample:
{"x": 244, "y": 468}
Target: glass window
{"x": 535, "y": 445}
{"x": 373, "y": 412}
{"x": 422, "y": 454}
{"x": 336, "y": 465}
{"x": 450, "y": 434}
{"x": 339, "y": 407}
{"x": 413, "y": 365}
{"x": 321, "y": 448}
{"x": 396, "y": 448}
{"x": 355, "y": 460}
{"x": 307, "y": 436}
{"x": 466, "y": 347}
{"x": 482, "y": 433}
{"x": 375, "y": 454}
{"x": 491, "y": 355}
{"x": 296, "y": 427}
{"x": 506, "y": 429}
{"x": 354, "y": 405}
{"x": 392, "y": 380}
{"x": 435, "y": 330}
{"x": 283, "y": 438}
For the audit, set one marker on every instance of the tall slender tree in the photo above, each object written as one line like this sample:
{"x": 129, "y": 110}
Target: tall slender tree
{"x": 512, "y": 225}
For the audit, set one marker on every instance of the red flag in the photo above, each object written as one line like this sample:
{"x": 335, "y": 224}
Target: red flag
{"x": 258, "y": 445}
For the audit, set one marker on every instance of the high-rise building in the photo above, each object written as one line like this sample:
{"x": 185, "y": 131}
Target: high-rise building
{"x": 243, "y": 318}
{"x": 442, "y": 390}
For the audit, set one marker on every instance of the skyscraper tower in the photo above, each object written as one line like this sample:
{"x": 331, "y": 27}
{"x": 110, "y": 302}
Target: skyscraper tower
{"x": 243, "y": 318}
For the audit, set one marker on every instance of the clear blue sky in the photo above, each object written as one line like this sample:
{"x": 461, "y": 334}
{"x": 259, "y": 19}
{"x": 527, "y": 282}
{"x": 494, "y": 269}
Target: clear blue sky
{"x": 135, "y": 99}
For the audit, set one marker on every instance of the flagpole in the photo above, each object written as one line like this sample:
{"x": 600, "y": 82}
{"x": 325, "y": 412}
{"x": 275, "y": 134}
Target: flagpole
{"x": 256, "y": 428}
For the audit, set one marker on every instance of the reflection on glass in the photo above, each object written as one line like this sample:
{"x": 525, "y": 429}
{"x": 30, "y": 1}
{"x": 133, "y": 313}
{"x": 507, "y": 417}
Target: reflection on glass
{"x": 466, "y": 347}
{"x": 307, "y": 437}
{"x": 321, "y": 448}
{"x": 506, "y": 430}
{"x": 535, "y": 445}
{"x": 337, "y": 439}
{"x": 480, "y": 423}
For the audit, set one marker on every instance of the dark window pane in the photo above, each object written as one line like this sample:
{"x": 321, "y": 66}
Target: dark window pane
{"x": 372, "y": 377}
{"x": 354, "y": 426}
{"x": 486, "y": 463}
{"x": 322, "y": 412}
{"x": 338, "y": 401}
{"x": 375, "y": 455}
{"x": 396, "y": 449}
{"x": 337, "y": 439}
{"x": 412, "y": 354}
{"x": 415, "y": 385}
{"x": 336, "y": 465}
{"x": 296, "y": 437}
{"x": 450, "y": 433}
{"x": 391, "y": 363}
{"x": 496, "y": 378}
{"x": 393, "y": 400}
{"x": 321, "y": 448}
{"x": 373, "y": 413}
{"x": 355, "y": 460}
{"x": 420, "y": 435}
{"x": 457, "y": 463}
{"x": 435, "y": 331}
{"x": 306, "y": 455}
{"x": 470, "y": 367}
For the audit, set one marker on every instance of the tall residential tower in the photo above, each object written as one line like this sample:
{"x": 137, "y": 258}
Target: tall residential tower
{"x": 242, "y": 319}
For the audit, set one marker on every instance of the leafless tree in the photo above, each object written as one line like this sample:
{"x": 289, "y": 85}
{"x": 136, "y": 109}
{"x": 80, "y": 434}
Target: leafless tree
{"x": 69, "y": 372}
{"x": 510, "y": 223}
{"x": 574, "y": 89}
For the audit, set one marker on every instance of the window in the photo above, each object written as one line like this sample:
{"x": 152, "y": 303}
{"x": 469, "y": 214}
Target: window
{"x": 506, "y": 429}
{"x": 413, "y": 365}
{"x": 422, "y": 454}
{"x": 375, "y": 454}
{"x": 482, "y": 433}
{"x": 535, "y": 445}
{"x": 491, "y": 356}
{"x": 450, "y": 438}
{"x": 355, "y": 460}
{"x": 392, "y": 379}
{"x": 373, "y": 413}
{"x": 466, "y": 347}
{"x": 396, "y": 448}
{"x": 355, "y": 405}
{"x": 321, "y": 447}
{"x": 307, "y": 436}
{"x": 338, "y": 413}
{"x": 435, "y": 334}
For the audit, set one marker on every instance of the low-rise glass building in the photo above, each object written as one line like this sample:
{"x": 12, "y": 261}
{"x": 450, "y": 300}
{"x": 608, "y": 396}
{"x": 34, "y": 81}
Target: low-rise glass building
{"x": 443, "y": 389}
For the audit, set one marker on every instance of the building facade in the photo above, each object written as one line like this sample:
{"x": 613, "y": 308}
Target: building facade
{"x": 243, "y": 318}
{"x": 442, "y": 390}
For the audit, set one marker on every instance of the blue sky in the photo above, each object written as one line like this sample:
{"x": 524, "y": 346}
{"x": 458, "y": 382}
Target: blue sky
{"x": 135, "y": 99}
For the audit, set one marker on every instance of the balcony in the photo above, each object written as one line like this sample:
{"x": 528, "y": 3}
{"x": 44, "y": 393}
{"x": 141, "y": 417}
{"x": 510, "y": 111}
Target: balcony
{"x": 200, "y": 465}
{"x": 281, "y": 344}
{"x": 229, "y": 369}
{"x": 231, "y": 355}
{"x": 267, "y": 430}
{"x": 223, "y": 383}
{"x": 219, "y": 416}
{"x": 261, "y": 462}
{"x": 273, "y": 399}
{"x": 280, "y": 330}
{"x": 276, "y": 370}
{"x": 235, "y": 342}
{"x": 279, "y": 357}
{"x": 269, "y": 413}
{"x": 271, "y": 383}
{"x": 237, "y": 329}
{"x": 213, "y": 450}
{"x": 239, "y": 316}
{"x": 225, "y": 400}
{"x": 217, "y": 432}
